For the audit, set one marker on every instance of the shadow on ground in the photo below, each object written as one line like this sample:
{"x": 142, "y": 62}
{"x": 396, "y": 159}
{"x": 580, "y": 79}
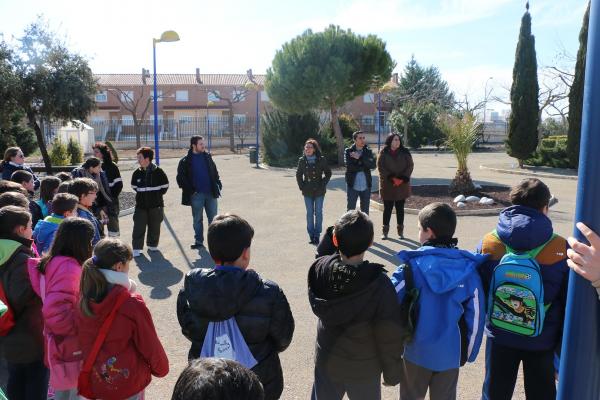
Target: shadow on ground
{"x": 159, "y": 273}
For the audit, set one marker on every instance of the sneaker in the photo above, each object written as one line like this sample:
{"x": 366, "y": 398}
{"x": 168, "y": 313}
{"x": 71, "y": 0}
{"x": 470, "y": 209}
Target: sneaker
{"x": 150, "y": 248}
{"x": 137, "y": 253}
{"x": 113, "y": 234}
{"x": 197, "y": 246}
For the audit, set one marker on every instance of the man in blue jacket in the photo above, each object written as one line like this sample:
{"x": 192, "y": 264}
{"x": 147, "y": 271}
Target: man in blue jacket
{"x": 523, "y": 227}
{"x": 451, "y": 308}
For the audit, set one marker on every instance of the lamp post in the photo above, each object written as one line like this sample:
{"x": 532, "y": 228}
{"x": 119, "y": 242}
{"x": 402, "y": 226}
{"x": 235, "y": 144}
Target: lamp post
{"x": 256, "y": 86}
{"x": 167, "y": 36}
{"x": 485, "y": 97}
{"x": 208, "y": 105}
{"x": 385, "y": 88}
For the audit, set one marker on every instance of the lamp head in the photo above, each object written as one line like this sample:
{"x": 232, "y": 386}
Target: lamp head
{"x": 168, "y": 36}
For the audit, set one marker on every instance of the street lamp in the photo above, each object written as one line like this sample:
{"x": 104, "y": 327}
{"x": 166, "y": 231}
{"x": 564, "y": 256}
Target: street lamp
{"x": 254, "y": 85}
{"x": 485, "y": 97}
{"x": 167, "y": 36}
{"x": 208, "y": 105}
{"x": 385, "y": 88}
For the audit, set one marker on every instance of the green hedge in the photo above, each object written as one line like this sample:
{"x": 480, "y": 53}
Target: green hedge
{"x": 552, "y": 152}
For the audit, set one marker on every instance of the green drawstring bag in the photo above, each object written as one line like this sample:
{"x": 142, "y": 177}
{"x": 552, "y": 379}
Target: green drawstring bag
{"x": 3, "y": 309}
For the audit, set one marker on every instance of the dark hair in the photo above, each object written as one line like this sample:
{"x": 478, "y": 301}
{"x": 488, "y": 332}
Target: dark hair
{"x": 64, "y": 202}
{"x": 64, "y": 176}
{"x": 94, "y": 286}
{"x": 389, "y": 139}
{"x": 48, "y": 186}
{"x": 194, "y": 139}
{"x": 355, "y": 134}
{"x": 10, "y": 218}
{"x": 315, "y": 145}
{"x": 20, "y": 176}
{"x": 82, "y": 186}
{"x": 103, "y": 148}
{"x": 146, "y": 152}
{"x": 64, "y": 187}
{"x": 91, "y": 163}
{"x": 10, "y": 153}
{"x": 10, "y": 186}
{"x": 217, "y": 379}
{"x": 354, "y": 233}
{"x": 73, "y": 239}
{"x": 14, "y": 199}
{"x": 531, "y": 193}
{"x": 440, "y": 218}
{"x": 228, "y": 236}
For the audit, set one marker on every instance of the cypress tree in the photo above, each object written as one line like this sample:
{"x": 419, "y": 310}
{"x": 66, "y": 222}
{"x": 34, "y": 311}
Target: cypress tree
{"x": 576, "y": 95}
{"x": 524, "y": 117}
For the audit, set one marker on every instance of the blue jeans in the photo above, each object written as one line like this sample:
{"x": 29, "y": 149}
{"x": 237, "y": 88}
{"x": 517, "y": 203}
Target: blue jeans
{"x": 365, "y": 199}
{"x": 314, "y": 215}
{"x": 201, "y": 202}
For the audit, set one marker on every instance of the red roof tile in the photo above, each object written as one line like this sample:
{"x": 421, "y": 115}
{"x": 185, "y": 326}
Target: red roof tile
{"x": 111, "y": 80}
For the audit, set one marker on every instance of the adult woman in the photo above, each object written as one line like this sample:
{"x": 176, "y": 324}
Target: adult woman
{"x": 14, "y": 160}
{"x": 395, "y": 166}
{"x": 312, "y": 175}
{"x": 92, "y": 169}
{"x": 115, "y": 184}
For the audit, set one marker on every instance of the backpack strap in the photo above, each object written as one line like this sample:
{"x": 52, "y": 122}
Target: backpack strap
{"x": 533, "y": 253}
{"x": 409, "y": 280}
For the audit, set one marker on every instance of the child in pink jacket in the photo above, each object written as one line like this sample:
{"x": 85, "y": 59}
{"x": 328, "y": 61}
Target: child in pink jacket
{"x": 55, "y": 278}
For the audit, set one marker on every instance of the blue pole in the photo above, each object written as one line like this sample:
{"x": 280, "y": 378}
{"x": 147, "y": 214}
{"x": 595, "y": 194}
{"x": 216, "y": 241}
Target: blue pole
{"x": 156, "y": 147}
{"x": 257, "y": 122}
{"x": 208, "y": 127}
{"x": 580, "y": 356}
{"x": 379, "y": 122}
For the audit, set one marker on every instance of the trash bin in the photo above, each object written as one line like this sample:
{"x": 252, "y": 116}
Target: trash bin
{"x": 253, "y": 155}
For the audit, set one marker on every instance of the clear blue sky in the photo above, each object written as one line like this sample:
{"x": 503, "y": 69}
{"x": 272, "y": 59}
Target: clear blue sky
{"x": 468, "y": 40}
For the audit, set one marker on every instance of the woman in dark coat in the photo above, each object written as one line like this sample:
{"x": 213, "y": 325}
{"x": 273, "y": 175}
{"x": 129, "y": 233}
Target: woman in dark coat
{"x": 395, "y": 166}
{"x": 312, "y": 175}
{"x": 14, "y": 160}
{"x": 115, "y": 185}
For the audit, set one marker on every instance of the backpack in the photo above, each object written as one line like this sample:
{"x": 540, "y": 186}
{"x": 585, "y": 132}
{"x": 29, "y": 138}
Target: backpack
{"x": 225, "y": 340}
{"x": 516, "y": 297}
{"x": 7, "y": 318}
{"x": 409, "y": 308}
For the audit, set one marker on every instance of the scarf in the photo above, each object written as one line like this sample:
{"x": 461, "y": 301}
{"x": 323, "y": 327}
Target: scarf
{"x": 311, "y": 159}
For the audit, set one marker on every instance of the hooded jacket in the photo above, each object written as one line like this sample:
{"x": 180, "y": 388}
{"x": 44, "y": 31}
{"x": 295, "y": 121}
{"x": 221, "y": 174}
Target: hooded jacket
{"x": 451, "y": 306}
{"x": 522, "y": 229}
{"x": 9, "y": 167}
{"x": 24, "y": 343}
{"x": 259, "y": 306}
{"x": 185, "y": 177}
{"x": 45, "y": 230}
{"x": 85, "y": 213}
{"x": 358, "y": 332}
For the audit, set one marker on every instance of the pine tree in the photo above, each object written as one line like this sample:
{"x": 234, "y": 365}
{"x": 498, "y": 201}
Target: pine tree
{"x": 576, "y": 95}
{"x": 524, "y": 117}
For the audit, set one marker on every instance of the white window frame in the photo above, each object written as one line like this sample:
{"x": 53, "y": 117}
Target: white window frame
{"x": 243, "y": 94}
{"x": 369, "y": 98}
{"x": 264, "y": 96}
{"x": 368, "y": 119}
{"x": 102, "y": 96}
{"x": 179, "y": 95}
{"x": 211, "y": 96}
{"x": 127, "y": 96}
{"x": 127, "y": 120}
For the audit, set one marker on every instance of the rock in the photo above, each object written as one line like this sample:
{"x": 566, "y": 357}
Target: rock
{"x": 486, "y": 201}
{"x": 459, "y": 198}
{"x": 472, "y": 199}
{"x": 460, "y": 204}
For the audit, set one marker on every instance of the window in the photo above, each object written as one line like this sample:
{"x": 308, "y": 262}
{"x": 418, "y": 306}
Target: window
{"x": 239, "y": 118}
{"x": 213, "y": 96}
{"x": 185, "y": 119}
{"x": 102, "y": 97}
{"x": 159, "y": 95}
{"x": 264, "y": 96}
{"x": 368, "y": 120}
{"x": 127, "y": 120}
{"x": 369, "y": 98}
{"x": 181, "y": 95}
{"x": 239, "y": 94}
{"x": 98, "y": 120}
{"x": 127, "y": 96}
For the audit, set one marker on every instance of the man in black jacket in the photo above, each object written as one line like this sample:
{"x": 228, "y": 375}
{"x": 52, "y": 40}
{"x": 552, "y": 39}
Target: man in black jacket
{"x": 150, "y": 183}
{"x": 198, "y": 178}
{"x": 359, "y": 161}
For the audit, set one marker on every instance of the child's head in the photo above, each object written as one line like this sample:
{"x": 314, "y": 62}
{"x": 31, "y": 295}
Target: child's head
{"x": 15, "y": 221}
{"x": 93, "y": 165}
{"x": 145, "y": 156}
{"x": 531, "y": 193}
{"x": 73, "y": 239}
{"x": 229, "y": 238}
{"x": 48, "y": 188}
{"x": 24, "y": 178}
{"x": 65, "y": 204}
{"x": 64, "y": 187}
{"x": 353, "y": 233}
{"x": 436, "y": 221}
{"x": 111, "y": 254}
{"x": 14, "y": 199}
{"x": 217, "y": 378}
{"x": 64, "y": 176}
{"x": 10, "y": 186}
{"x": 15, "y": 155}
{"x": 85, "y": 189}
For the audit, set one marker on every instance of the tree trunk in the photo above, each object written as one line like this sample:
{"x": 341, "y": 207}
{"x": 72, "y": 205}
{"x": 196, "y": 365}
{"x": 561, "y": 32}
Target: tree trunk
{"x": 230, "y": 122}
{"x": 41, "y": 143}
{"x": 338, "y": 134}
{"x": 136, "y": 129}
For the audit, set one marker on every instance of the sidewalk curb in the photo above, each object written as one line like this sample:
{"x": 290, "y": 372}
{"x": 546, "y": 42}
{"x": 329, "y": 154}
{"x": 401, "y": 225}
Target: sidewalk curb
{"x": 482, "y": 213}
{"x": 293, "y": 170}
{"x": 528, "y": 173}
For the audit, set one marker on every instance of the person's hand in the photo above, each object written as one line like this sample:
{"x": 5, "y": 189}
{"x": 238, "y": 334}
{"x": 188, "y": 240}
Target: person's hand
{"x": 355, "y": 155}
{"x": 397, "y": 181}
{"x": 584, "y": 259}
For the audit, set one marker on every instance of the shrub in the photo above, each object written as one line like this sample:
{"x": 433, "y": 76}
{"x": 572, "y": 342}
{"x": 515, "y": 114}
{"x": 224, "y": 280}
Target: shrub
{"x": 59, "y": 154}
{"x": 113, "y": 151}
{"x": 552, "y": 152}
{"x": 348, "y": 125}
{"x": 16, "y": 133}
{"x": 75, "y": 152}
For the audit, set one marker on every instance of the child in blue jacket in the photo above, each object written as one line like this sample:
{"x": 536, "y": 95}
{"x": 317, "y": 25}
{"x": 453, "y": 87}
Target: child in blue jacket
{"x": 450, "y": 304}
{"x": 63, "y": 205}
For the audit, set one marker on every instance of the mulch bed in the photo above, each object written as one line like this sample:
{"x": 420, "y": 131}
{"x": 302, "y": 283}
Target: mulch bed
{"x": 423, "y": 195}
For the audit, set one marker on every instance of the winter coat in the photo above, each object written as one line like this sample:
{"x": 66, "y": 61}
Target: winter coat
{"x": 45, "y": 230}
{"x": 113, "y": 177}
{"x": 259, "y": 306}
{"x": 84, "y": 213}
{"x": 522, "y": 229}
{"x": 62, "y": 276}
{"x": 150, "y": 185}
{"x": 365, "y": 164}
{"x": 399, "y": 165}
{"x": 9, "y": 167}
{"x": 36, "y": 211}
{"x": 24, "y": 343}
{"x": 359, "y": 331}
{"x": 313, "y": 178}
{"x": 185, "y": 177}
{"x": 131, "y": 352}
{"x": 451, "y": 306}
{"x": 101, "y": 200}
{"x": 326, "y": 246}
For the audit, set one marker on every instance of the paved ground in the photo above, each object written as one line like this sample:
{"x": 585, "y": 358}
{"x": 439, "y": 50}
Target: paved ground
{"x": 271, "y": 202}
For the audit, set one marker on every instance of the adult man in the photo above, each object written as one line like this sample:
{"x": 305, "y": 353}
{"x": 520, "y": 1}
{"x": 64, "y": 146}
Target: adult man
{"x": 359, "y": 161}
{"x": 198, "y": 178}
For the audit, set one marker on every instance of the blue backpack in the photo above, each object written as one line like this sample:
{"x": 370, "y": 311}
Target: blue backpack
{"x": 516, "y": 297}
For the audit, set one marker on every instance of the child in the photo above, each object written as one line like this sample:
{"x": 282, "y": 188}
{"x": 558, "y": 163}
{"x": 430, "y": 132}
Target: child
{"x": 64, "y": 177}
{"x": 25, "y": 179}
{"x": 85, "y": 190}
{"x": 131, "y": 351}
{"x": 23, "y": 345}
{"x": 526, "y": 228}
{"x": 217, "y": 378}
{"x": 14, "y": 199}
{"x": 359, "y": 335}
{"x": 10, "y": 186}
{"x": 41, "y": 208}
{"x": 64, "y": 205}
{"x": 55, "y": 278}
{"x": 92, "y": 169}
{"x": 259, "y": 307}
{"x": 449, "y": 327}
